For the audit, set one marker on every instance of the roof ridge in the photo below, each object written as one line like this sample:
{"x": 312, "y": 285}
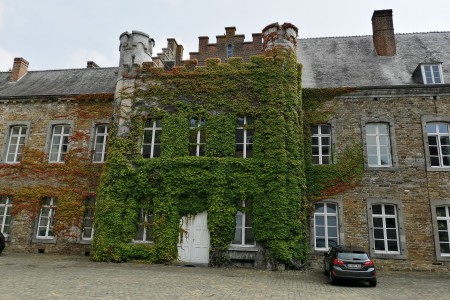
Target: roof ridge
{"x": 72, "y": 69}
{"x": 369, "y": 35}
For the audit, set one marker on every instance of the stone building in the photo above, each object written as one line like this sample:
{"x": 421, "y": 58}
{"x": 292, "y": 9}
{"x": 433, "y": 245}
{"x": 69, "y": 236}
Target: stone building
{"x": 376, "y": 118}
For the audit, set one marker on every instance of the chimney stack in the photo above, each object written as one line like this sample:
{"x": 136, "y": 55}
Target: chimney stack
{"x": 383, "y": 32}
{"x": 19, "y": 69}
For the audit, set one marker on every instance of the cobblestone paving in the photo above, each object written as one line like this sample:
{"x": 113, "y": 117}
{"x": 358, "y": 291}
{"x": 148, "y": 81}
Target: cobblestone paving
{"x": 44, "y": 276}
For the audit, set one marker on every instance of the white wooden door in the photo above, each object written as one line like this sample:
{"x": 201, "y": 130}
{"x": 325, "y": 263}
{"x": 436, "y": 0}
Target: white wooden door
{"x": 194, "y": 247}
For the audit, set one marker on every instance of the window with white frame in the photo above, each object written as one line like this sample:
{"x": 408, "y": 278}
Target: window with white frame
{"x": 46, "y": 219}
{"x": 59, "y": 144}
{"x": 16, "y": 142}
{"x": 5, "y": 215}
{"x": 443, "y": 228}
{"x": 197, "y": 137}
{"x": 88, "y": 220}
{"x": 144, "y": 232}
{"x": 243, "y": 234}
{"x": 326, "y": 228}
{"x": 101, "y": 134}
{"x": 321, "y": 144}
{"x": 432, "y": 74}
{"x": 439, "y": 144}
{"x": 244, "y": 137}
{"x": 385, "y": 229}
{"x": 378, "y": 145}
{"x": 151, "y": 146}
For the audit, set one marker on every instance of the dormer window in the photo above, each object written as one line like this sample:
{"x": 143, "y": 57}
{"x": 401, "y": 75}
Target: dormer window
{"x": 429, "y": 74}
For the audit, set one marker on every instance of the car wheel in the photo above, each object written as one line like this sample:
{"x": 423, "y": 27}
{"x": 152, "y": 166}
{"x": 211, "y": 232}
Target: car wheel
{"x": 333, "y": 280}
{"x": 373, "y": 282}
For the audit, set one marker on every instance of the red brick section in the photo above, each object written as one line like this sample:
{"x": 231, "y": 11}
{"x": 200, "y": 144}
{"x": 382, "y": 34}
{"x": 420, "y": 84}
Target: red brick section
{"x": 383, "y": 32}
{"x": 20, "y": 68}
{"x": 219, "y": 49}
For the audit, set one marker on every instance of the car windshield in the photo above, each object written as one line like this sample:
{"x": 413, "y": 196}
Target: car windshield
{"x": 352, "y": 255}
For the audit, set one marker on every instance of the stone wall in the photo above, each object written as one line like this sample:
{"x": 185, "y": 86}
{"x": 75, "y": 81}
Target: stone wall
{"x": 408, "y": 181}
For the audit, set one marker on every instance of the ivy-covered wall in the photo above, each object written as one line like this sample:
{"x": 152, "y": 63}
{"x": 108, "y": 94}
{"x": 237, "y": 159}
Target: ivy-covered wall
{"x": 176, "y": 184}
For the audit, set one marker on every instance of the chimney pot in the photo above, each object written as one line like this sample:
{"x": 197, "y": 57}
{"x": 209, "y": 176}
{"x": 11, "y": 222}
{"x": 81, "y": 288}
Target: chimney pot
{"x": 383, "y": 32}
{"x": 20, "y": 68}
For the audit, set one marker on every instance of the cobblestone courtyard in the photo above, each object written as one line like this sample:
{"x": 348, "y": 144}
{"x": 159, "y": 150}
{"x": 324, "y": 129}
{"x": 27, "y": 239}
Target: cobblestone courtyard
{"x": 43, "y": 276}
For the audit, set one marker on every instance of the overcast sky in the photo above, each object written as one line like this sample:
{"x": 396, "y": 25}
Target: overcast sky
{"x": 62, "y": 34}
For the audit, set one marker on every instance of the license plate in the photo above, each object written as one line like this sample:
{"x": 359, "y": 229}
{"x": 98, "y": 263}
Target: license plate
{"x": 354, "y": 266}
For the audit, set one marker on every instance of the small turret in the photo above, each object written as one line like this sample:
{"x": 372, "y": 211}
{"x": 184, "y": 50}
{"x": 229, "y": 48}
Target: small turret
{"x": 280, "y": 36}
{"x": 135, "y": 48}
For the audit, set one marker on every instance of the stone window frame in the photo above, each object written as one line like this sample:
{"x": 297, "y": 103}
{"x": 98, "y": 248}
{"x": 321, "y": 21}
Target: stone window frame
{"x": 48, "y": 139}
{"x": 197, "y": 125}
{"x": 432, "y": 119}
{"x": 153, "y": 129}
{"x": 400, "y": 224}
{"x": 145, "y": 219}
{"x": 44, "y": 240}
{"x": 89, "y": 206}
{"x": 332, "y": 142}
{"x": 392, "y": 140}
{"x": 6, "y": 205}
{"x": 434, "y": 204}
{"x": 93, "y": 138}
{"x": 9, "y": 126}
{"x": 242, "y": 215}
{"x": 340, "y": 221}
{"x": 247, "y": 145}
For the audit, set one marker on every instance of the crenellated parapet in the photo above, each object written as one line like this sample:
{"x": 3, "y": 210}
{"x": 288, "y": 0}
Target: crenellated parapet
{"x": 279, "y": 36}
{"x": 227, "y": 45}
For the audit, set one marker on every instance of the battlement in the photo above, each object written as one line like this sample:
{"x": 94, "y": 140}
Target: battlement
{"x": 280, "y": 36}
{"x": 170, "y": 56}
{"x": 135, "y": 48}
{"x": 228, "y": 45}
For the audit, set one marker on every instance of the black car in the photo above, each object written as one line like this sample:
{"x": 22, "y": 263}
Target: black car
{"x": 349, "y": 263}
{"x": 2, "y": 242}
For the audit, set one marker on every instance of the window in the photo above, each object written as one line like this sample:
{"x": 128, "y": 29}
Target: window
{"x": 59, "y": 143}
{"x": 5, "y": 215}
{"x": 378, "y": 145}
{"x": 439, "y": 144}
{"x": 88, "y": 220}
{"x": 326, "y": 230}
{"x": 432, "y": 74}
{"x": 443, "y": 229}
{"x": 385, "y": 228}
{"x": 144, "y": 232}
{"x": 243, "y": 234}
{"x": 101, "y": 134}
{"x": 16, "y": 141}
{"x": 244, "y": 137}
{"x": 46, "y": 219}
{"x": 321, "y": 144}
{"x": 152, "y": 138}
{"x": 197, "y": 137}
{"x": 230, "y": 50}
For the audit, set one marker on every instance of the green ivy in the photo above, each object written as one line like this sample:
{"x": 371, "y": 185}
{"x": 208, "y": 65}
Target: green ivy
{"x": 176, "y": 185}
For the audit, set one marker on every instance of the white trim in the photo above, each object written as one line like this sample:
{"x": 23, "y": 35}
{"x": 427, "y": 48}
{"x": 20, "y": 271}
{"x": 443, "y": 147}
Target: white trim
{"x": 104, "y": 136}
{"x": 47, "y": 221}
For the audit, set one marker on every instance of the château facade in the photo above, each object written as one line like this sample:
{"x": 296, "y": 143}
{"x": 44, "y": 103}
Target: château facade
{"x": 261, "y": 153}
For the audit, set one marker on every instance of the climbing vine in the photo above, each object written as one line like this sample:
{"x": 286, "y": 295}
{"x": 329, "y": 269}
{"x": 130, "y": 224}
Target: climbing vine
{"x": 176, "y": 184}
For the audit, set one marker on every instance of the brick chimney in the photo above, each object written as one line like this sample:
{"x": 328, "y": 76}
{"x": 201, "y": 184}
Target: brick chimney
{"x": 383, "y": 32}
{"x": 19, "y": 69}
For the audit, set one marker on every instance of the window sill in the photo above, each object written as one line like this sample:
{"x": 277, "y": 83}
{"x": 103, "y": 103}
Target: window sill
{"x": 438, "y": 169}
{"x": 378, "y": 168}
{"x": 253, "y": 248}
{"x": 141, "y": 243}
{"x": 85, "y": 242}
{"x": 441, "y": 258}
{"x": 388, "y": 256}
{"x": 36, "y": 240}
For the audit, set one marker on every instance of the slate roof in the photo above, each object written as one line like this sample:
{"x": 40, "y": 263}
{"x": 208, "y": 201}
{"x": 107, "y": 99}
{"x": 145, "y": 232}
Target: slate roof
{"x": 60, "y": 82}
{"x": 353, "y": 62}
